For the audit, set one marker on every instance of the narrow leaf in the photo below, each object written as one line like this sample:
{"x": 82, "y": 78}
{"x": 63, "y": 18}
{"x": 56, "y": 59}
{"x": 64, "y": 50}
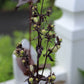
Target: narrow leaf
{"x": 81, "y": 71}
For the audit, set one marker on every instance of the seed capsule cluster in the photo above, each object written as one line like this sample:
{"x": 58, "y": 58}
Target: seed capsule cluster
{"x": 38, "y": 21}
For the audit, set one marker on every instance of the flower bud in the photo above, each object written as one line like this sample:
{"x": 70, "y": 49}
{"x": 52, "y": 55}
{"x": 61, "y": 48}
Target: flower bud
{"x": 34, "y": 25}
{"x": 52, "y": 26}
{"x": 21, "y": 52}
{"x": 15, "y": 53}
{"x": 49, "y": 49}
{"x": 60, "y": 40}
{"x": 53, "y": 77}
{"x": 19, "y": 45}
{"x": 55, "y": 50}
{"x": 33, "y": 13}
{"x": 58, "y": 46}
{"x": 49, "y": 10}
{"x": 38, "y": 26}
{"x": 49, "y": 78}
{"x": 31, "y": 68}
{"x": 43, "y": 31}
{"x": 42, "y": 36}
{"x": 23, "y": 61}
{"x": 36, "y": 79}
{"x": 31, "y": 80}
{"x": 50, "y": 33}
{"x": 35, "y": 19}
{"x": 33, "y": 8}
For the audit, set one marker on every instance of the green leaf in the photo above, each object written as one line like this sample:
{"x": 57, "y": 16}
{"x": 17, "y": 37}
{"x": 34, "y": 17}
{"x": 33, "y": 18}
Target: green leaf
{"x": 81, "y": 71}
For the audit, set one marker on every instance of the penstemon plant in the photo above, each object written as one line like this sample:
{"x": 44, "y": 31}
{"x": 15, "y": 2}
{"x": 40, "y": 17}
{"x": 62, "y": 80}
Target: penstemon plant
{"x": 38, "y": 19}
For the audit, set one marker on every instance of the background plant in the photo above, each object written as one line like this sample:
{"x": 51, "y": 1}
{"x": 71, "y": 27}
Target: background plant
{"x": 81, "y": 71}
{"x": 6, "y": 49}
{"x": 2, "y": 2}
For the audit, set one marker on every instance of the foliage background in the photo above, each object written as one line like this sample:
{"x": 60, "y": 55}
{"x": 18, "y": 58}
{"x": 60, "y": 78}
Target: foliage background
{"x": 8, "y": 43}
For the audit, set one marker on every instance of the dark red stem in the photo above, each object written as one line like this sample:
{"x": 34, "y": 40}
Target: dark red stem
{"x": 30, "y": 23}
{"x": 39, "y": 38}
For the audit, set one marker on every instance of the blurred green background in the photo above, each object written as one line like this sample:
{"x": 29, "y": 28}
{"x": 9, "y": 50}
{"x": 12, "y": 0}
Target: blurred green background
{"x": 8, "y": 42}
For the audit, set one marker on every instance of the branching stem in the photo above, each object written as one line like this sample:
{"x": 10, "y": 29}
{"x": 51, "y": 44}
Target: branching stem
{"x": 30, "y": 23}
{"x": 39, "y": 37}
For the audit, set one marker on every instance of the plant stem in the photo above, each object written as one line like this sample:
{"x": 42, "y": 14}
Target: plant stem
{"x": 45, "y": 58}
{"x": 39, "y": 38}
{"x": 42, "y": 6}
{"x": 30, "y": 23}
